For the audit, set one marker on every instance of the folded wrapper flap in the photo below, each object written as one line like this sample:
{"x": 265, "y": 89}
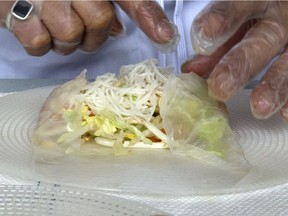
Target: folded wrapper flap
{"x": 52, "y": 124}
{"x": 197, "y": 125}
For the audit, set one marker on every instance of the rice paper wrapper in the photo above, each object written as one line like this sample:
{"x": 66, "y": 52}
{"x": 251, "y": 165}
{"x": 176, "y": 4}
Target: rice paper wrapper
{"x": 52, "y": 123}
{"x": 198, "y": 131}
{"x": 197, "y": 125}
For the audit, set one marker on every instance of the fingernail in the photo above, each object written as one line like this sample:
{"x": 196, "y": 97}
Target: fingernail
{"x": 262, "y": 102}
{"x": 284, "y": 113}
{"x": 213, "y": 25}
{"x": 116, "y": 33}
{"x": 185, "y": 67}
{"x": 166, "y": 31}
{"x": 65, "y": 48}
{"x": 205, "y": 30}
{"x": 218, "y": 91}
{"x": 221, "y": 84}
{"x": 81, "y": 50}
{"x": 117, "y": 29}
{"x": 199, "y": 64}
{"x": 66, "y": 44}
{"x": 261, "y": 108}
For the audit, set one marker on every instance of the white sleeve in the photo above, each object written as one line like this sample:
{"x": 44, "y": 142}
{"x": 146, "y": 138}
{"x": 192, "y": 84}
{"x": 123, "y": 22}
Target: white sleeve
{"x": 182, "y": 14}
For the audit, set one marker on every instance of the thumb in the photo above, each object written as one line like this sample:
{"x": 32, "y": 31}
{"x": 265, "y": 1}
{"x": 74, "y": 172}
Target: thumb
{"x": 219, "y": 21}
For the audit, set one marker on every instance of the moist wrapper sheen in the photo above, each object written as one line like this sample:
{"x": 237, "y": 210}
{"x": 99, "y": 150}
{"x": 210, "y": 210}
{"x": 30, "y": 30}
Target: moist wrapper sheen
{"x": 145, "y": 106}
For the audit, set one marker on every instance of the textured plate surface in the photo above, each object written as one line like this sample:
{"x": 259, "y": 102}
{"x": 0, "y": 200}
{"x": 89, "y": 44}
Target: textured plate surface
{"x": 66, "y": 201}
{"x": 265, "y": 144}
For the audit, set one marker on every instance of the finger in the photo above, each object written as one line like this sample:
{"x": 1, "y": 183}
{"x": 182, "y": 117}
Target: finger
{"x": 219, "y": 21}
{"x": 203, "y": 65}
{"x": 272, "y": 93}
{"x": 98, "y": 18}
{"x": 265, "y": 40}
{"x": 5, "y": 8}
{"x": 31, "y": 33}
{"x": 33, "y": 36}
{"x": 64, "y": 25}
{"x": 152, "y": 20}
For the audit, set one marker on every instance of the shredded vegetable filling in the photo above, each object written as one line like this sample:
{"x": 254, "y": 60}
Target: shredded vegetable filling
{"x": 145, "y": 106}
{"x": 123, "y": 111}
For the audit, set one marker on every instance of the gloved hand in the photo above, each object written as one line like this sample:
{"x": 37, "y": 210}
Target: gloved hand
{"x": 65, "y": 25}
{"x": 235, "y": 40}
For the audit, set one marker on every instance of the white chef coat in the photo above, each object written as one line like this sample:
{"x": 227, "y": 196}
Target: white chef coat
{"x": 129, "y": 49}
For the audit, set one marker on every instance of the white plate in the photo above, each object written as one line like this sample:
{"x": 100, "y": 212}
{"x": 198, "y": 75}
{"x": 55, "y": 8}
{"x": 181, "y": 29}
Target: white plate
{"x": 66, "y": 201}
{"x": 265, "y": 144}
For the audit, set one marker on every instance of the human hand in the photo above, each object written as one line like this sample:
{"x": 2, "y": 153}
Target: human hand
{"x": 62, "y": 25}
{"x": 65, "y": 26}
{"x": 235, "y": 40}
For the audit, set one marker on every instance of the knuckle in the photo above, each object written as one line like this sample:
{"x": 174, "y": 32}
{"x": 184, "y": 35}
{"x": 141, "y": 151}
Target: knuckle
{"x": 39, "y": 42}
{"x": 92, "y": 47}
{"x": 101, "y": 20}
{"x": 72, "y": 33}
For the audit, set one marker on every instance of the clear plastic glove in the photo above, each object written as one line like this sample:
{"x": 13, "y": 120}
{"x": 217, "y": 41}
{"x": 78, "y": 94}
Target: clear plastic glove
{"x": 235, "y": 41}
{"x": 65, "y": 26}
{"x": 152, "y": 20}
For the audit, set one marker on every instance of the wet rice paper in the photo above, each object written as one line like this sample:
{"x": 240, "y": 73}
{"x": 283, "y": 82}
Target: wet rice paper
{"x": 194, "y": 125}
{"x": 197, "y": 125}
{"x": 53, "y": 122}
